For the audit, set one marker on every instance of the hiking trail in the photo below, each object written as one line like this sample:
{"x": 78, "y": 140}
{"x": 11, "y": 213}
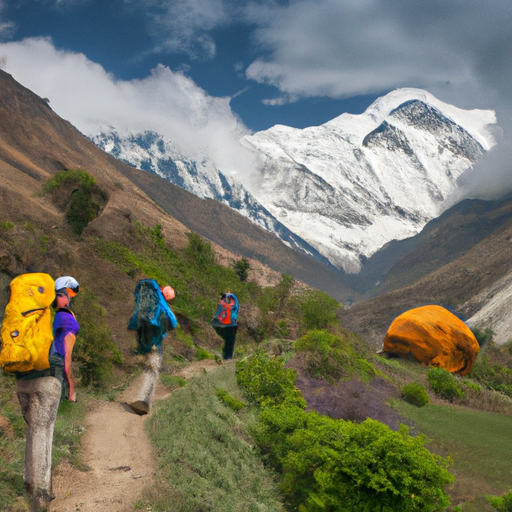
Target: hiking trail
{"x": 118, "y": 453}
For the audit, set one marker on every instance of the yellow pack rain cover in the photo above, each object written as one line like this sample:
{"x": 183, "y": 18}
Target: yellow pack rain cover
{"x": 26, "y": 331}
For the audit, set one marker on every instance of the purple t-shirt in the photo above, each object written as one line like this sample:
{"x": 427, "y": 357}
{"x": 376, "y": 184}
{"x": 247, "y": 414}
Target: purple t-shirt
{"x": 63, "y": 324}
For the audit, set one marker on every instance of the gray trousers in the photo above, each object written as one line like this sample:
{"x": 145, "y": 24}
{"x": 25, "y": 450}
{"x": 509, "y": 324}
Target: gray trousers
{"x": 39, "y": 399}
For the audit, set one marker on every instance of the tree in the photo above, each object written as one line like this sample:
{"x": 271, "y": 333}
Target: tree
{"x": 241, "y": 268}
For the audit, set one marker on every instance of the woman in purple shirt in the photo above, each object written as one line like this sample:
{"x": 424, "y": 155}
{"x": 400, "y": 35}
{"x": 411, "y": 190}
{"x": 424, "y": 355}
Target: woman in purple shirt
{"x": 65, "y": 329}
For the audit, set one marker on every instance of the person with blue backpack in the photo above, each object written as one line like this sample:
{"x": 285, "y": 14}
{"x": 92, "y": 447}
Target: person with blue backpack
{"x": 225, "y": 322}
{"x": 152, "y": 319}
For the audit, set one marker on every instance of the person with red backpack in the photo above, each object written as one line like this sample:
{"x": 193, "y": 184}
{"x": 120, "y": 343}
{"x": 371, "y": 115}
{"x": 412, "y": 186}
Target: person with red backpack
{"x": 225, "y": 322}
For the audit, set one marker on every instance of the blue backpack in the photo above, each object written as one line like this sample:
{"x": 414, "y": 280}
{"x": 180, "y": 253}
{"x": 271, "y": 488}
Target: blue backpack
{"x": 152, "y": 318}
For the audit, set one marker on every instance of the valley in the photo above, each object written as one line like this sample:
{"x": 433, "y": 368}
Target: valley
{"x": 299, "y": 314}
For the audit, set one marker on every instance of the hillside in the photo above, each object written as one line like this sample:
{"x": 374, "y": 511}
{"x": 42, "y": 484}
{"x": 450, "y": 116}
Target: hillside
{"x": 142, "y": 229}
{"x": 455, "y": 261}
{"x": 41, "y": 144}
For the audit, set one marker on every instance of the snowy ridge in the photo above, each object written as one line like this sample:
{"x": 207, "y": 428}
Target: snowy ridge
{"x": 150, "y": 152}
{"x": 342, "y": 190}
{"x": 355, "y": 183}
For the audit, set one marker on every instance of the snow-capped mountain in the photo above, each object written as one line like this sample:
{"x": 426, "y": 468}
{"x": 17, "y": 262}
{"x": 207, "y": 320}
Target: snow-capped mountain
{"x": 342, "y": 190}
{"x": 150, "y": 152}
{"x": 353, "y": 184}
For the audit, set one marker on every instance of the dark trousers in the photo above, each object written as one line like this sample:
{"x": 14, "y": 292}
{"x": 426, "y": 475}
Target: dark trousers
{"x": 228, "y": 334}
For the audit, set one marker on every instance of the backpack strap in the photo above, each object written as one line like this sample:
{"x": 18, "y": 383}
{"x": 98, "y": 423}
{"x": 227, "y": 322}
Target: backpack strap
{"x": 30, "y": 311}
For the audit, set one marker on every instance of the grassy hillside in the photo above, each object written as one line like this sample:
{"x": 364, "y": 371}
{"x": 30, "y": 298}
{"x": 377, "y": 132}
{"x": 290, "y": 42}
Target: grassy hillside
{"x": 337, "y": 374}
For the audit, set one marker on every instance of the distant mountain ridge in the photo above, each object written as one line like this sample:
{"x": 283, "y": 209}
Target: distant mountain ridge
{"x": 342, "y": 190}
{"x": 150, "y": 152}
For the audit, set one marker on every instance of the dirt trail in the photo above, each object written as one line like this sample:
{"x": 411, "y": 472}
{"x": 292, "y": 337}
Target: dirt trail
{"x": 117, "y": 451}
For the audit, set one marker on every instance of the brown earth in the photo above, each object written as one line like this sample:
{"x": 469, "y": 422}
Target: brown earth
{"x": 117, "y": 452}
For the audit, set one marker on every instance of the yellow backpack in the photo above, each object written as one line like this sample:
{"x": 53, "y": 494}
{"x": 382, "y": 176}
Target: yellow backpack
{"x": 26, "y": 331}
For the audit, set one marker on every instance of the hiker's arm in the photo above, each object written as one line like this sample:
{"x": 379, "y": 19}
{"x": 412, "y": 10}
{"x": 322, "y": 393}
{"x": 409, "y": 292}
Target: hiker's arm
{"x": 69, "y": 342}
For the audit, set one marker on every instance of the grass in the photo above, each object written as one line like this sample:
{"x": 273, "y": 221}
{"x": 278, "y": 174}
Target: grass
{"x": 68, "y": 432}
{"x": 207, "y": 458}
{"x": 478, "y": 442}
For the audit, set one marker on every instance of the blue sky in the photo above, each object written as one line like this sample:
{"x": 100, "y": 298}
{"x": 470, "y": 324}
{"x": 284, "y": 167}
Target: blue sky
{"x": 128, "y": 40}
{"x": 206, "y": 71}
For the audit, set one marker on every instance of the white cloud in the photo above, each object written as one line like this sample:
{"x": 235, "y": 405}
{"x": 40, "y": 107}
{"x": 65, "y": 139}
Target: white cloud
{"x": 182, "y": 26}
{"x": 167, "y": 102}
{"x": 342, "y": 48}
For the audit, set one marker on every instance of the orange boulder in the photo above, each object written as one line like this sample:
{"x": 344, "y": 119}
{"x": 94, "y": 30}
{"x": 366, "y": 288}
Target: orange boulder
{"x": 434, "y": 336}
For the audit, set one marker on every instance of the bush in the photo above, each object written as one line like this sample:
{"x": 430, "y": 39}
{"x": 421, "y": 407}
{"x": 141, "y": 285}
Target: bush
{"x": 336, "y": 465}
{"x": 266, "y": 382}
{"x": 94, "y": 352}
{"x": 444, "y": 384}
{"x": 200, "y": 251}
{"x": 77, "y": 193}
{"x": 495, "y": 376}
{"x": 241, "y": 268}
{"x": 229, "y": 401}
{"x": 272, "y": 304}
{"x": 482, "y": 336}
{"x": 501, "y": 503}
{"x": 317, "y": 310}
{"x": 415, "y": 394}
{"x": 331, "y": 357}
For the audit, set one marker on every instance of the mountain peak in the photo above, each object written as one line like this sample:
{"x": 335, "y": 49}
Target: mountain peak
{"x": 342, "y": 190}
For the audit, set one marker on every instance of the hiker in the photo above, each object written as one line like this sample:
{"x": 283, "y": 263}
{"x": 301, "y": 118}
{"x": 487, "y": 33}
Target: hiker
{"x": 151, "y": 321}
{"x": 225, "y": 322}
{"x": 65, "y": 329}
{"x": 27, "y": 339}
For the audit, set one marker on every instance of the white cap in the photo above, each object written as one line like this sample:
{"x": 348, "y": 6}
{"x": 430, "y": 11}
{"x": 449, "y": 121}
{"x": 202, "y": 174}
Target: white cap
{"x": 66, "y": 282}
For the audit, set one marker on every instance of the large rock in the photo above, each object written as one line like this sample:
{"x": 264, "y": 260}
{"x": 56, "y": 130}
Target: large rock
{"x": 434, "y": 336}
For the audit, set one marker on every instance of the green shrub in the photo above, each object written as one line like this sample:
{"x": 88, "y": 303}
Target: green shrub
{"x": 94, "y": 352}
{"x": 444, "y": 384}
{"x": 496, "y": 376}
{"x": 482, "y": 336}
{"x": 77, "y": 193}
{"x": 415, "y": 394}
{"x": 201, "y": 354}
{"x": 241, "y": 268}
{"x": 336, "y": 465}
{"x": 331, "y": 357}
{"x": 472, "y": 385}
{"x": 172, "y": 381}
{"x": 6, "y": 226}
{"x": 317, "y": 310}
{"x": 319, "y": 341}
{"x": 267, "y": 382}
{"x": 501, "y": 503}
{"x": 273, "y": 304}
{"x": 81, "y": 210}
{"x": 200, "y": 251}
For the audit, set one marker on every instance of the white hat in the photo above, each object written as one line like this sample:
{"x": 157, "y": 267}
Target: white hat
{"x": 66, "y": 282}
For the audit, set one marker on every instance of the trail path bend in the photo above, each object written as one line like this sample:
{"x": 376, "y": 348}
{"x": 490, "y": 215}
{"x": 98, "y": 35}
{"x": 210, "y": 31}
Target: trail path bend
{"x": 118, "y": 453}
